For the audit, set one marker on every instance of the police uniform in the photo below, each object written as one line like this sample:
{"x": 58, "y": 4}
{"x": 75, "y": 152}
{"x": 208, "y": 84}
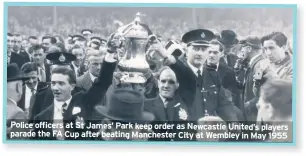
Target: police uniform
{"x": 202, "y": 91}
{"x": 87, "y": 33}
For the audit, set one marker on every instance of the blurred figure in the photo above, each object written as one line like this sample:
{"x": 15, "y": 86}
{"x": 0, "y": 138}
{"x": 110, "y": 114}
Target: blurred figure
{"x": 31, "y": 88}
{"x": 275, "y": 48}
{"x": 39, "y": 58}
{"x": 33, "y": 40}
{"x": 17, "y": 46}
{"x": 229, "y": 39}
{"x": 79, "y": 62}
{"x": 95, "y": 59}
{"x": 116, "y": 111}
{"x": 24, "y": 51}
{"x": 226, "y": 75}
{"x": 79, "y": 40}
{"x": 211, "y": 120}
{"x": 47, "y": 42}
{"x": 87, "y": 34}
{"x": 251, "y": 55}
{"x": 275, "y": 107}
{"x": 12, "y": 56}
{"x": 14, "y": 93}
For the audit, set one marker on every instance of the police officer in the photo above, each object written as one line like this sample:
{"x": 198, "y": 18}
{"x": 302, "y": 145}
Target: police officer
{"x": 200, "y": 86}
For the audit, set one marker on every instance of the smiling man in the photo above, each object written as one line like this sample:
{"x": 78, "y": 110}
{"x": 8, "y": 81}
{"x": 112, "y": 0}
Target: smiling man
{"x": 67, "y": 107}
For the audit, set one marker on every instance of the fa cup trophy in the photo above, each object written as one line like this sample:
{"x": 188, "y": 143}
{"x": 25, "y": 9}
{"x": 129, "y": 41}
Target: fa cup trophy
{"x": 133, "y": 65}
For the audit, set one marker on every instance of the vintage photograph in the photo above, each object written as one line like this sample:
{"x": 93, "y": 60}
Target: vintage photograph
{"x": 100, "y": 73}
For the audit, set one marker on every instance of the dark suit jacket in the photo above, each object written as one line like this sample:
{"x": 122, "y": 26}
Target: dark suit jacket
{"x": 84, "y": 100}
{"x": 21, "y": 103}
{"x": 213, "y": 93}
{"x": 84, "y": 81}
{"x": 248, "y": 95}
{"x": 25, "y": 56}
{"x": 227, "y": 76}
{"x": 173, "y": 114}
{"x": 16, "y": 58}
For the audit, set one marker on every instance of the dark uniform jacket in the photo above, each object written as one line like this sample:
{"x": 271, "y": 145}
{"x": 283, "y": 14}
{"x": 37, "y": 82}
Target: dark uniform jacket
{"x": 84, "y": 100}
{"x": 211, "y": 100}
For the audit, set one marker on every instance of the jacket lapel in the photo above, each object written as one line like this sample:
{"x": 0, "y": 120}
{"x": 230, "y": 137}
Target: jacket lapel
{"x": 159, "y": 109}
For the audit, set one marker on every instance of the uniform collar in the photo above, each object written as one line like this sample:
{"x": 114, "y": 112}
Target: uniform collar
{"x": 195, "y": 69}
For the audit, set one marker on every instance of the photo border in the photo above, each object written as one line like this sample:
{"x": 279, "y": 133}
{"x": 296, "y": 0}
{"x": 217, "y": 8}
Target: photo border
{"x": 176, "y": 5}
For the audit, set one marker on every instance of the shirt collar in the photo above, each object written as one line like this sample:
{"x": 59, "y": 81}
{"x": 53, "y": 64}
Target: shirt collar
{"x": 253, "y": 58}
{"x": 35, "y": 88}
{"x": 59, "y": 104}
{"x": 92, "y": 77}
{"x": 195, "y": 69}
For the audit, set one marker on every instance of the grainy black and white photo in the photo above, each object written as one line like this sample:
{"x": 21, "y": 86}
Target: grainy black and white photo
{"x": 100, "y": 73}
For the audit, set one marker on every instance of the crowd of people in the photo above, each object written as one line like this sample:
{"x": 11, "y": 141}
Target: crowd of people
{"x": 199, "y": 75}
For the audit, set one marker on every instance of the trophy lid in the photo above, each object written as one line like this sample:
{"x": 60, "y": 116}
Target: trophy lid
{"x": 135, "y": 29}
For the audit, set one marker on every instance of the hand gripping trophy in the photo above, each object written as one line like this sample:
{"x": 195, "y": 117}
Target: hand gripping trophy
{"x": 132, "y": 40}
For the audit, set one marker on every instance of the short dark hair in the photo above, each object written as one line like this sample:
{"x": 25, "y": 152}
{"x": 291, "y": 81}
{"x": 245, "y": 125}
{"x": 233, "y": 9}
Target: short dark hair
{"x": 279, "y": 94}
{"x": 279, "y": 38}
{"x": 65, "y": 71}
{"x": 215, "y": 42}
{"x": 10, "y": 34}
{"x": 36, "y": 47}
{"x": 52, "y": 39}
{"x": 32, "y": 37}
{"x": 157, "y": 76}
{"x": 29, "y": 67}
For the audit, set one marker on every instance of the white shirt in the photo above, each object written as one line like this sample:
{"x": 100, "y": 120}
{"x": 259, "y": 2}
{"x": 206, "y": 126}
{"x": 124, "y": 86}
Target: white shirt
{"x": 92, "y": 77}
{"x": 58, "y": 108}
{"x": 194, "y": 69}
{"x": 75, "y": 69}
{"x": 28, "y": 94}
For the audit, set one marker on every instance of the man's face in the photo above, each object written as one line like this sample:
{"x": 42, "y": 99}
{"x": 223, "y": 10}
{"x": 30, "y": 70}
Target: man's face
{"x": 33, "y": 41}
{"x": 18, "y": 40}
{"x": 273, "y": 51}
{"x": 79, "y": 53}
{"x": 167, "y": 84}
{"x": 265, "y": 110}
{"x": 95, "y": 65}
{"x": 61, "y": 87}
{"x": 10, "y": 42}
{"x": 38, "y": 56}
{"x": 196, "y": 55}
{"x": 46, "y": 43}
{"x": 80, "y": 43}
{"x": 214, "y": 55}
{"x": 245, "y": 52}
{"x": 24, "y": 45}
{"x": 31, "y": 83}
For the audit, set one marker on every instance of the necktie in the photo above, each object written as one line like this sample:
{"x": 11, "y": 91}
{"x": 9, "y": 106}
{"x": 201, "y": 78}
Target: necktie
{"x": 42, "y": 75}
{"x": 64, "y": 108}
{"x": 199, "y": 77}
{"x": 32, "y": 98}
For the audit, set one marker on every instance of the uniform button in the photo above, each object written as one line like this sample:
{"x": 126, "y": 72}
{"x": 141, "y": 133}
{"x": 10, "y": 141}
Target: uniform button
{"x": 215, "y": 92}
{"x": 204, "y": 100}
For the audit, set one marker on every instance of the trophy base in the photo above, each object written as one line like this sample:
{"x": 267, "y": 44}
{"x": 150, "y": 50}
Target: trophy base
{"x": 133, "y": 77}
